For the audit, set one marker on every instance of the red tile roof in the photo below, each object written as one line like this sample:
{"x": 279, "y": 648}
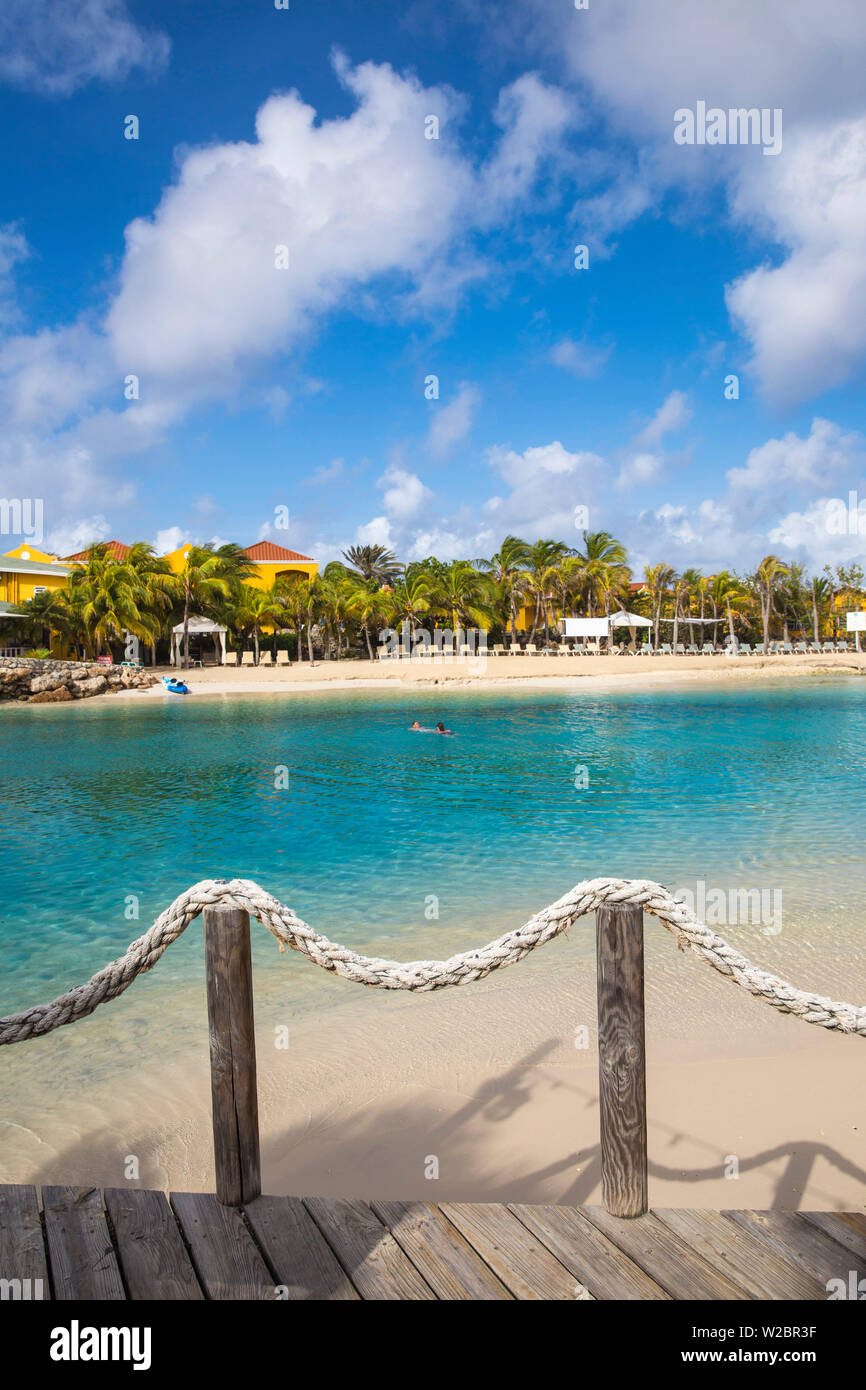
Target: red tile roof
{"x": 116, "y": 549}
{"x": 268, "y": 553}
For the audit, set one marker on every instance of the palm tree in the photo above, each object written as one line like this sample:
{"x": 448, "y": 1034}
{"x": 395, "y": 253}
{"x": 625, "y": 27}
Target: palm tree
{"x": 820, "y": 593}
{"x": 658, "y": 579}
{"x": 767, "y": 579}
{"x": 206, "y": 576}
{"x": 464, "y": 594}
{"x": 726, "y": 592}
{"x": 603, "y": 568}
{"x": 409, "y": 600}
{"x": 154, "y": 575}
{"x": 109, "y": 593}
{"x": 367, "y": 604}
{"x": 542, "y": 556}
{"x": 374, "y": 562}
{"x": 507, "y": 571}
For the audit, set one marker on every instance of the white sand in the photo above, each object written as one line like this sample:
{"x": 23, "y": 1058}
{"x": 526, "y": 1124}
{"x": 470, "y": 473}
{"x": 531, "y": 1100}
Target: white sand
{"x": 538, "y": 671}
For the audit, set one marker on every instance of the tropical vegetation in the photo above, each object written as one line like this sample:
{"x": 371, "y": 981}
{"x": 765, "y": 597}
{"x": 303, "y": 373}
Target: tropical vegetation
{"x": 523, "y": 589}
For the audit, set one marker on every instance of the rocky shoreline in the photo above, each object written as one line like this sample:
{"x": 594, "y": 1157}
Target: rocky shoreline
{"x": 49, "y": 682}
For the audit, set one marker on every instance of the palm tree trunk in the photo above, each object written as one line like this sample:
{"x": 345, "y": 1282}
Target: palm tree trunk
{"x": 731, "y": 624}
{"x": 185, "y": 661}
{"x": 367, "y": 636}
{"x": 256, "y": 645}
{"x": 815, "y": 627}
{"x": 310, "y": 642}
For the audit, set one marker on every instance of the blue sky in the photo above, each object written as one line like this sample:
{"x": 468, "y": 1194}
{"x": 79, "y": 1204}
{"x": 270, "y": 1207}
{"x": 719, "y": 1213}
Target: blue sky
{"x": 262, "y": 387}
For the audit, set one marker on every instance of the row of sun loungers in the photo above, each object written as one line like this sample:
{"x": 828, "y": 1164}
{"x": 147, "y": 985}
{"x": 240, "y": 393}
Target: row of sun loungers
{"x": 591, "y": 649}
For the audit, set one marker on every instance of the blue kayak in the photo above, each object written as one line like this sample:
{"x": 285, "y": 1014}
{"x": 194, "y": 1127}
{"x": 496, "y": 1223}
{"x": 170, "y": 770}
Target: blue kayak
{"x": 175, "y": 687}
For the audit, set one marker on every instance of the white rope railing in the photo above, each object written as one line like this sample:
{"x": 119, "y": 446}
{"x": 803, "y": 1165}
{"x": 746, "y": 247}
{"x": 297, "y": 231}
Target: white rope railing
{"x": 424, "y": 975}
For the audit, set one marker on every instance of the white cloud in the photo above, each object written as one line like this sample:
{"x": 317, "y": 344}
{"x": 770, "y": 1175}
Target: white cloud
{"x": 806, "y": 318}
{"x": 639, "y": 470}
{"x": 671, "y": 416}
{"x": 171, "y": 538}
{"x": 328, "y": 473}
{"x": 780, "y": 467}
{"x": 452, "y": 422}
{"x": 54, "y": 49}
{"x": 546, "y": 484}
{"x": 533, "y": 117}
{"x": 405, "y": 494}
{"x": 75, "y": 536}
{"x": 369, "y": 211}
{"x": 375, "y": 532}
{"x": 579, "y": 358}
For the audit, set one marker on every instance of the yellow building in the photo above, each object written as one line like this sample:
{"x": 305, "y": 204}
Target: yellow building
{"x": 271, "y": 562}
{"x": 24, "y": 572}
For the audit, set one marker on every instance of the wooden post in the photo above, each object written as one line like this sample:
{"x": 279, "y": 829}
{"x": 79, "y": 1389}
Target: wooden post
{"x": 622, "y": 1059}
{"x": 232, "y": 1054}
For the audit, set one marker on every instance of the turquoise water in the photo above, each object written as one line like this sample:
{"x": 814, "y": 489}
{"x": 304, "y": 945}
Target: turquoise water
{"x": 760, "y": 785}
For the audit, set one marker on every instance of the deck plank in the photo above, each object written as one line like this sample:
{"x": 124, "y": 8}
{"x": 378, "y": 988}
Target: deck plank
{"x": 369, "y": 1254}
{"x": 665, "y": 1256}
{"x": 297, "y": 1251}
{"x": 22, "y": 1246}
{"x": 80, "y": 1252}
{"x": 436, "y": 1248}
{"x": 227, "y": 1261}
{"x": 150, "y": 1248}
{"x": 846, "y": 1227}
{"x": 748, "y": 1262}
{"x": 802, "y": 1241}
{"x": 515, "y": 1255}
{"x": 593, "y": 1259}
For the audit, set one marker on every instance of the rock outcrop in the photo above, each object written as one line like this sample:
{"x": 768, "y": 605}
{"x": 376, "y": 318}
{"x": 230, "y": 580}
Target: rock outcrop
{"x": 51, "y": 682}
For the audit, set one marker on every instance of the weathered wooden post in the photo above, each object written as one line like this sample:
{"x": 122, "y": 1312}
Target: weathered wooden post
{"x": 232, "y": 1054}
{"x": 622, "y": 1059}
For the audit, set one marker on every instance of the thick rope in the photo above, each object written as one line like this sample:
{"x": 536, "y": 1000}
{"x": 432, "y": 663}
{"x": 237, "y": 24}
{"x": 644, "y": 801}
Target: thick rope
{"x": 424, "y": 975}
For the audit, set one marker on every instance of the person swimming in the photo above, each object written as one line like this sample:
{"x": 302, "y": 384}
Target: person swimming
{"x": 415, "y": 728}
{"x": 440, "y": 729}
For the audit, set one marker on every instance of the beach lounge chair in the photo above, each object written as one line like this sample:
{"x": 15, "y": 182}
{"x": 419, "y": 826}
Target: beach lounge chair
{"x": 829, "y": 647}
{"x": 815, "y": 647}
{"x": 248, "y": 659}
{"x": 282, "y": 658}
{"x": 530, "y": 649}
{"x": 680, "y": 649}
{"x": 842, "y": 647}
{"x": 498, "y": 649}
{"x": 708, "y": 649}
{"x": 773, "y": 648}
{"x": 801, "y": 649}
{"x": 787, "y": 649}
{"x": 692, "y": 649}
{"x": 565, "y": 649}
{"x": 745, "y": 649}
{"x": 666, "y": 649}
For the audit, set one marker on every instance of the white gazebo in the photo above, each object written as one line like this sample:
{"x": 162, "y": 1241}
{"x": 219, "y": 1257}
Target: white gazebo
{"x": 198, "y": 627}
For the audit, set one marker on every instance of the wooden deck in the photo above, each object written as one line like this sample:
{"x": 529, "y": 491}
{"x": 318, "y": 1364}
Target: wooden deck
{"x": 132, "y": 1244}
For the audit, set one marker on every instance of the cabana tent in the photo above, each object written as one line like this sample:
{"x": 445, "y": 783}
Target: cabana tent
{"x": 198, "y": 627}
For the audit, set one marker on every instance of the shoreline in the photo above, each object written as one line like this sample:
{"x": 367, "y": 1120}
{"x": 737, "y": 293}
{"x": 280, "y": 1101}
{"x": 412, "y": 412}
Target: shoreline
{"x": 501, "y": 673}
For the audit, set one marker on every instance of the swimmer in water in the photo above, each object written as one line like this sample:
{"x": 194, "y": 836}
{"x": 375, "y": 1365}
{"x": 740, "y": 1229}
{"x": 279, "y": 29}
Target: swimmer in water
{"x": 440, "y": 729}
{"x": 416, "y": 728}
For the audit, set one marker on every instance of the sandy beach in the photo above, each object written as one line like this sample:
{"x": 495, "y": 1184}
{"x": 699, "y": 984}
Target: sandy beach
{"x": 747, "y": 1107}
{"x": 498, "y": 671}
